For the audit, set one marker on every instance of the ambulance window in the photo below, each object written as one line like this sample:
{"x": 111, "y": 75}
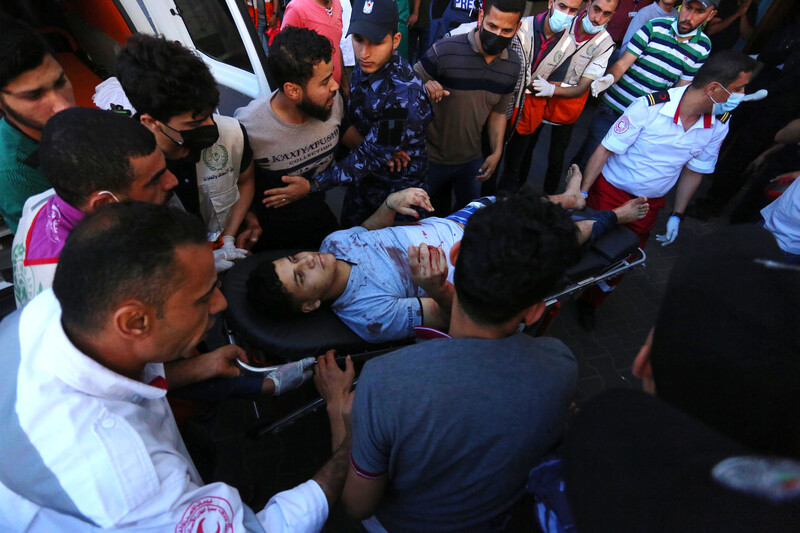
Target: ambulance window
{"x": 213, "y": 31}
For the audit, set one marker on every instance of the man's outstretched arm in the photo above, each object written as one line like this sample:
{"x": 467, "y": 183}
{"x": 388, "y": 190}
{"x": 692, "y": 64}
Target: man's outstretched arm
{"x": 594, "y": 166}
{"x": 398, "y": 202}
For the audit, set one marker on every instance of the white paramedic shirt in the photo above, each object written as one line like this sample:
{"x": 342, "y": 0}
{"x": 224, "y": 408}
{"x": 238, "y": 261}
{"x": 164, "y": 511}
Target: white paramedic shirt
{"x": 84, "y": 447}
{"x": 782, "y": 218}
{"x": 650, "y": 147}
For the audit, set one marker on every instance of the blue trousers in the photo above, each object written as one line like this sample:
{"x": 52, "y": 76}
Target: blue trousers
{"x": 442, "y": 179}
{"x": 602, "y": 121}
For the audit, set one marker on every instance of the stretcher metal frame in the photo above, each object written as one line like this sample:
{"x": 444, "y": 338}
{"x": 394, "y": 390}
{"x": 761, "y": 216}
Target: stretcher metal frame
{"x": 636, "y": 259}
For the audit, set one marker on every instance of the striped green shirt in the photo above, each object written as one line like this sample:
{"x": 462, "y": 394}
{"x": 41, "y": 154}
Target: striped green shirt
{"x": 661, "y": 62}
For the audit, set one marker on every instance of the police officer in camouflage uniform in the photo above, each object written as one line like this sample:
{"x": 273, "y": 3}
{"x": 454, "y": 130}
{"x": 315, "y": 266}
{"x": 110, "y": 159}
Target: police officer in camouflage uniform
{"x": 388, "y": 114}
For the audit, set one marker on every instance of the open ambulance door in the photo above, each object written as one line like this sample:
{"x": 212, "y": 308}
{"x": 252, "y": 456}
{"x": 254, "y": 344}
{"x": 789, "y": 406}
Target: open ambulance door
{"x": 221, "y": 31}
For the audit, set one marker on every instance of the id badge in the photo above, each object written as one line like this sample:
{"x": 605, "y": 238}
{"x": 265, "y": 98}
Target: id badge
{"x": 631, "y": 14}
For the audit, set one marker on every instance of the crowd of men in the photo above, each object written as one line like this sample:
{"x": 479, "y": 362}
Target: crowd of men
{"x": 127, "y": 217}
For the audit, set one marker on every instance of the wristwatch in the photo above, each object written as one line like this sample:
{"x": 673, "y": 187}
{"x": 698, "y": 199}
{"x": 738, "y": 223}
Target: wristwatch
{"x": 314, "y": 185}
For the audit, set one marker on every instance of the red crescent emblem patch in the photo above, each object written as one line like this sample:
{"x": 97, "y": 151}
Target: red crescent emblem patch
{"x": 207, "y": 515}
{"x": 622, "y": 125}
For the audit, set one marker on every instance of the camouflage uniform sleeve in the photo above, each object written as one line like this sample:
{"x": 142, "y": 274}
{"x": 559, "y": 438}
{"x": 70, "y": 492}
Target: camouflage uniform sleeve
{"x": 385, "y": 138}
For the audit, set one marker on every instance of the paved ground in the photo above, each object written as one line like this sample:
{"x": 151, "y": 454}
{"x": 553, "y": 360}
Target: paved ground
{"x": 261, "y": 467}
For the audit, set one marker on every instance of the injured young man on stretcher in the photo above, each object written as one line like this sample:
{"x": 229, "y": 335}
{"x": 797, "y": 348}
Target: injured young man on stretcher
{"x": 383, "y": 280}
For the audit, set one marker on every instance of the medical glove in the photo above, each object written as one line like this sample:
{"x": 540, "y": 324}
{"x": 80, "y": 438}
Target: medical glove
{"x": 672, "y": 231}
{"x": 291, "y": 375}
{"x": 224, "y": 257}
{"x": 543, "y": 88}
{"x": 601, "y": 84}
{"x": 758, "y": 95}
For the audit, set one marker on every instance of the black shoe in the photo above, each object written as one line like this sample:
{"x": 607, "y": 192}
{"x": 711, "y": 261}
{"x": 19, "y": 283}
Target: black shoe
{"x": 586, "y": 315}
{"x": 704, "y": 209}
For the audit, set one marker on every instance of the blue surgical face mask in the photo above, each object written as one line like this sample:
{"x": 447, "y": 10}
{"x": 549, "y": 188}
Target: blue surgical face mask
{"x": 559, "y": 20}
{"x": 589, "y": 27}
{"x": 726, "y": 107}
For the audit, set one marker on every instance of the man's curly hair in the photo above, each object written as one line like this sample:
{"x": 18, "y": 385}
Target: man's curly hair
{"x": 512, "y": 254}
{"x": 295, "y": 52}
{"x": 164, "y": 79}
{"x": 268, "y": 295}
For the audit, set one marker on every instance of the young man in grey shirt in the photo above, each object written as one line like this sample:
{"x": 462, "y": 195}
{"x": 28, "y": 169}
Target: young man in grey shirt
{"x": 445, "y": 432}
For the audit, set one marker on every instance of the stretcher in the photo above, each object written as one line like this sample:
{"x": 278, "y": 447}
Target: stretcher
{"x": 268, "y": 341}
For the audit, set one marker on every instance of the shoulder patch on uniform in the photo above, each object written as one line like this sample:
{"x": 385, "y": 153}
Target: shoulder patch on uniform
{"x": 725, "y": 117}
{"x": 661, "y": 97}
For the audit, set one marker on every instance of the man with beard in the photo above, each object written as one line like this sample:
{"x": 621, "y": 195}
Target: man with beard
{"x": 388, "y": 112}
{"x": 172, "y": 92}
{"x": 664, "y": 53}
{"x": 294, "y": 133}
{"x": 33, "y": 88}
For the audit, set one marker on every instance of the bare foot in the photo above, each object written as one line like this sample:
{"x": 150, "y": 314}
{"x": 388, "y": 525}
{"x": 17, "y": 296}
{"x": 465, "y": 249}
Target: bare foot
{"x": 572, "y": 197}
{"x": 631, "y": 210}
{"x": 574, "y": 178}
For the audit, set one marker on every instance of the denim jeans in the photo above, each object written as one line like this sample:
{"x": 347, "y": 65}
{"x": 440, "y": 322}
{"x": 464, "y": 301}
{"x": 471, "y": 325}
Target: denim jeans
{"x": 460, "y": 178}
{"x": 262, "y": 35}
{"x": 603, "y": 120}
{"x": 418, "y": 42}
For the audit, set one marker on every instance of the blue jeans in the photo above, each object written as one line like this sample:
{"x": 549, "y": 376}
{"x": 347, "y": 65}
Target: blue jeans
{"x": 262, "y": 35}
{"x": 603, "y": 221}
{"x": 602, "y": 121}
{"x": 460, "y": 178}
{"x": 418, "y": 43}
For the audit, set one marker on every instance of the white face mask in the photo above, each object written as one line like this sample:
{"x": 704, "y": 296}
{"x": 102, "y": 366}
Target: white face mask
{"x": 559, "y": 20}
{"x": 111, "y": 194}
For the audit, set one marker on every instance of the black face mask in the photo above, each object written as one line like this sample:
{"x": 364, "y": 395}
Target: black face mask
{"x": 197, "y": 138}
{"x": 492, "y": 43}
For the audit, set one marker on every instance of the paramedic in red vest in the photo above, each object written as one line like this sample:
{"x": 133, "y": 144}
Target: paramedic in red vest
{"x": 565, "y": 54}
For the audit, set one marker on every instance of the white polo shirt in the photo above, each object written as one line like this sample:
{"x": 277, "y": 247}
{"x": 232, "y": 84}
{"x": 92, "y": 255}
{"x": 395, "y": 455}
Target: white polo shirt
{"x": 82, "y": 444}
{"x": 651, "y": 148}
{"x": 782, "y": 218}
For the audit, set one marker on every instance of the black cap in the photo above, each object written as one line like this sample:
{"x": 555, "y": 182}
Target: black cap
{"x": 707, "y": 3}
{"x": 374, "y": 19}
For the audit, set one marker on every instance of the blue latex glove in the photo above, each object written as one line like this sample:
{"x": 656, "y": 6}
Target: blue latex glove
{"x": 673, "y": 224}
{"x": 291, "y": 375}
